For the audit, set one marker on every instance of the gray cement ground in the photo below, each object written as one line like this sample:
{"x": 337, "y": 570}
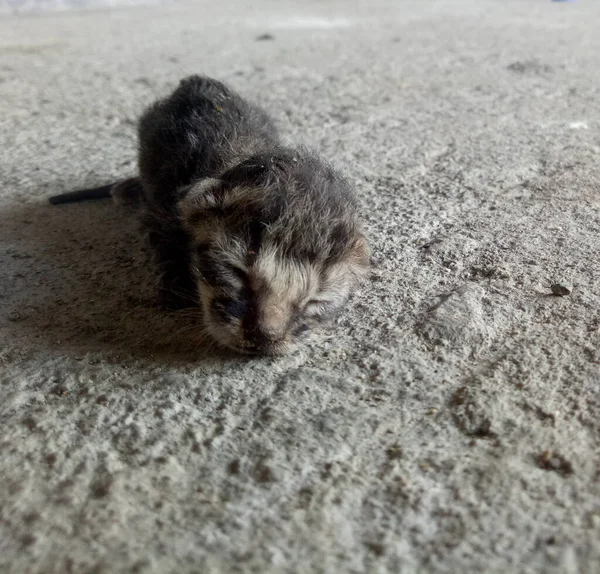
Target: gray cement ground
{"x": 451, "y": 420}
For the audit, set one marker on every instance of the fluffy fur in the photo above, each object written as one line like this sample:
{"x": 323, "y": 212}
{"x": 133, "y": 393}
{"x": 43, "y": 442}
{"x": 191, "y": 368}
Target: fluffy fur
{"x": 265, "y": 238}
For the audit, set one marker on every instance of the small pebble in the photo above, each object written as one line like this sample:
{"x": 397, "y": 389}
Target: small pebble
{"x": 559, "y": 290}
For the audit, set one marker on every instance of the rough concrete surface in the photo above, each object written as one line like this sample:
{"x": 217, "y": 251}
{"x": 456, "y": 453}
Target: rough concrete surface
{"x": 449, "y": 423}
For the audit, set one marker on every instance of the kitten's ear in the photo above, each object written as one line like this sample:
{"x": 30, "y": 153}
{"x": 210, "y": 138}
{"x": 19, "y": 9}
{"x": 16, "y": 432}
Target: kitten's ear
{"x": 198, "y": 200}
{"x": 359, "y": 256}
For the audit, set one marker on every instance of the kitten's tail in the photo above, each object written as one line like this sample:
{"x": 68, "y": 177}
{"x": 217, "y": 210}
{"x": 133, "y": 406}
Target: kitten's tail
{"x": 126, "y": 192}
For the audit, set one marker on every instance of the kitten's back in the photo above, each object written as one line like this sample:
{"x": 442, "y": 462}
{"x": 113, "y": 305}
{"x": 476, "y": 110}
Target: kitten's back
{"x": 194, "y": 134}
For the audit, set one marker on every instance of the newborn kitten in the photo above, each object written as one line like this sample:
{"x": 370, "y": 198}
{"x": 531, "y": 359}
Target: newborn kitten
{"x": 264, "y": 237}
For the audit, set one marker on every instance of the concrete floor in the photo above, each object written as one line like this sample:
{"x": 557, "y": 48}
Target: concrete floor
{"x": 450, "y": 422}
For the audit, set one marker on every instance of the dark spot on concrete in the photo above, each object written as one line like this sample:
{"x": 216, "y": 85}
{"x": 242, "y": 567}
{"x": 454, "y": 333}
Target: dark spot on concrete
{"x": 549, "y": 460}
{"x": 27, "y": 539}
{"x": 529, "y": 67}
{"x": 429, "y": 244}
{"x": 376, "y": 548}
{"x": 468, "y": 415}
{"x": 101, "y": 484}
{"x": 305, "y": 496}
{"x": 394, "y": 452}
{"x": 559, "y": 290}
{"x": 234, "y": 467}
{"x": 266, "y": 415}
{"x": 264, "y": 37}
{"x": 59, "y": 391}
{"x": 50, "y": 459}
{"x": 263, "y": 473}
{"x": 482, "y": 272}
{"x": 139, "y": 566}
{"x": 377, "y": 396}
{"x": 160, "y": 460}
{"x": 30, "y": 517}
{"x": 326, "y": 472}
{"x": 483, "y": 430}
{"x": 29, "y": 422}
{"x": 102, "y": 400}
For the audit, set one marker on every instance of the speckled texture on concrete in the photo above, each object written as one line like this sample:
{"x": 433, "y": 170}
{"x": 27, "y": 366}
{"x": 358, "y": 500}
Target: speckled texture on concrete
{"x": 451, "y": 420}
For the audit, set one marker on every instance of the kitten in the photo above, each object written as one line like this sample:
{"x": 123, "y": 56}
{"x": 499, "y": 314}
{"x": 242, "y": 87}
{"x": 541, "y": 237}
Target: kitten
{"x": 265, "y": 238}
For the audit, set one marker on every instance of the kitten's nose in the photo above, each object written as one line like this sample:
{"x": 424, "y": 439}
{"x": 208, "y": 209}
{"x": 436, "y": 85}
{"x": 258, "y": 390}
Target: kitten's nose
{"x": 260, "y": 336}
{"x": 269, "y": 326}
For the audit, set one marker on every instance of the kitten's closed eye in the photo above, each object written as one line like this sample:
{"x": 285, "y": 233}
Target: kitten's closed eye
{"x": 239, "y": 273}
{"x": 228, "y": 309}
{"x": 215, "y": 273}
{"x": 318, "y": 307}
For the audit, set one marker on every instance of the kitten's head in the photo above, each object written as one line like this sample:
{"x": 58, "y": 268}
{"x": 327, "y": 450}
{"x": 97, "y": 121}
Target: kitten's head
{"x": 276, "y": 248}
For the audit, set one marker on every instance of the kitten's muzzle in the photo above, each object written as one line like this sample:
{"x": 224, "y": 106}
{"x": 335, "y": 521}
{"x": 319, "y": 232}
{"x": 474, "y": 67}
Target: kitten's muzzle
{"x": 257, "y": 337}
